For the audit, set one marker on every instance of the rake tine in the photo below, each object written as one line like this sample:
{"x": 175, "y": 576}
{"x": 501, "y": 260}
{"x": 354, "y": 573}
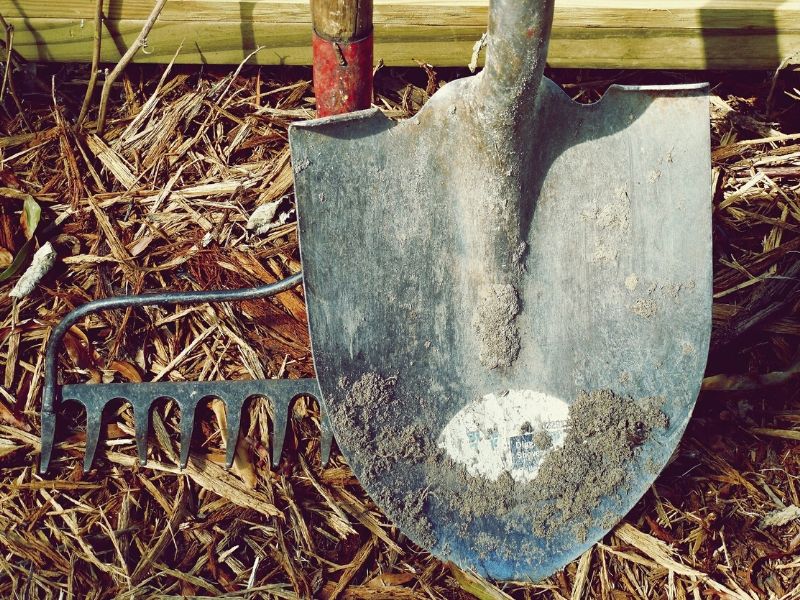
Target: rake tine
{"x": 48, "y": 438}
{"x": 188, "y": 407}
{"x": 233, "y": 414}
{"x": 94, "y": 419}
{"x": 141, "y": 425}
{"x": 280, "y": 417}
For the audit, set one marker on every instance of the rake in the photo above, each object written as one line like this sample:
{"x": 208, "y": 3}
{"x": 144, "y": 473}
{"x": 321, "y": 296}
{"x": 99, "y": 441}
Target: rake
{"x": 280, "y": 393}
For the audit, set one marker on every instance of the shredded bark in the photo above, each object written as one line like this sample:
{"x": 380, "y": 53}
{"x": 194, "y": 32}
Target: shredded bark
{"x": 161, "y": 201}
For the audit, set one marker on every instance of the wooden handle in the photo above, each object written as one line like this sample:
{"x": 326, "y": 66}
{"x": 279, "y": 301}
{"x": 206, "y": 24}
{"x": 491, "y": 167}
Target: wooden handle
{"x": 342, "y": 43}
{"x": 342, "y": 20}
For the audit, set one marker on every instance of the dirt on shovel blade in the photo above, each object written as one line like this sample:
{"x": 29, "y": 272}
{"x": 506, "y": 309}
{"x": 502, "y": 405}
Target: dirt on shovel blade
{"x": 603, "y": 436}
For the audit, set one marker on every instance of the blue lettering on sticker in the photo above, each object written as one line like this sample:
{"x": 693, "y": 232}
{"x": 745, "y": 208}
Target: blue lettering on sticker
{"x": 475, "y": 437}
{"x": 524, "y": 453}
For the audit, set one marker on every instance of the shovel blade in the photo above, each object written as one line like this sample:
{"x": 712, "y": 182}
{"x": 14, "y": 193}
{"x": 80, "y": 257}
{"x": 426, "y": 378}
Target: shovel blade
{"x": 510, "y": 317}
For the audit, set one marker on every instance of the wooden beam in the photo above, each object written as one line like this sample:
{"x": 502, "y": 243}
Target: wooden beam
{"x": 669, "y": 34}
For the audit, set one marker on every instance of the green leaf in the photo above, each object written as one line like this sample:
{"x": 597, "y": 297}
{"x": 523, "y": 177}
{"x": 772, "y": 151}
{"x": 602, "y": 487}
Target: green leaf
{"x": 31, "y": 213}
{"x": 25, "y": 253}
{"x": 20, "y": 260}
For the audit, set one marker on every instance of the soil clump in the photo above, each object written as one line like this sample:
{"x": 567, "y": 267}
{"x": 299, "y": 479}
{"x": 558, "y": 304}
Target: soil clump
{"x": 495, "y": 328}
{"x": 579, "y": 486}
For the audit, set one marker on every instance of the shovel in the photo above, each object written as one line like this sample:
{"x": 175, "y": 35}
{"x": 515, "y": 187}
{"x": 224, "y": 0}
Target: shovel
{"x": 509, "y": 298}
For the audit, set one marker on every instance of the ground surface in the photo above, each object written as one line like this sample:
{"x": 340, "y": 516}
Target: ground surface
{"x": 161, "y": 201}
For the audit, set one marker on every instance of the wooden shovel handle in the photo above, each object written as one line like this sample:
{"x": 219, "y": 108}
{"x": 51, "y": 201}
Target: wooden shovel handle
{"x": 342, "y": 46}
{"x": 342, "y": 20}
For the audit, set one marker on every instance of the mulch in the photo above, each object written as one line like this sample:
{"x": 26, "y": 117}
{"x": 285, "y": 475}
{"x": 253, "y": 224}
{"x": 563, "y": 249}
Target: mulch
{"x": 161, "y": 200}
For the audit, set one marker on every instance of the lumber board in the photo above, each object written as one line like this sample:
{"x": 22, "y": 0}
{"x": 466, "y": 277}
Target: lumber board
{"x": 670, "y": 34}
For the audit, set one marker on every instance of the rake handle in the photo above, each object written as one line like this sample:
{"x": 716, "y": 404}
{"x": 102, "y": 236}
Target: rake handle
{"x": 342, "y": 55}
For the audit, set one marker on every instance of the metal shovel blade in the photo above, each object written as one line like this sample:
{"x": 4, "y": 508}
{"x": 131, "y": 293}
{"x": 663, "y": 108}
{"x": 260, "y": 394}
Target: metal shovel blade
{"x": 510, "y": 300}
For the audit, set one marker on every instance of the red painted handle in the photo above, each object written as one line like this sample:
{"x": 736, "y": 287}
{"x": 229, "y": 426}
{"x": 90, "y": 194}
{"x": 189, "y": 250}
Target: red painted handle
{"x": 342, "y": 75}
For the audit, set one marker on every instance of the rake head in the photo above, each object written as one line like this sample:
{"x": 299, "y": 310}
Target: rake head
{"x": 280, "y": 393}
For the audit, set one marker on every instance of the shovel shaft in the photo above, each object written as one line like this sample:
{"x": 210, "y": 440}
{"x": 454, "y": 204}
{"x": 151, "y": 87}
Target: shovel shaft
{"x": 519, "y": 32}
{"x": 342, "y": 50}
{"x": 505, "y": 97}
{"x": 342, "y": 75}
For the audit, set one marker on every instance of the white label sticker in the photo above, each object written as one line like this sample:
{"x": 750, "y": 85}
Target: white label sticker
{"x": 513, "y": 431}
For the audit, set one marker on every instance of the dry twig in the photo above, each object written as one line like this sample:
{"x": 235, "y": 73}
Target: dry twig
{"x": 96, "y": 47}
{"x": 8, "y": 79}
{"x": 139, "y": 42}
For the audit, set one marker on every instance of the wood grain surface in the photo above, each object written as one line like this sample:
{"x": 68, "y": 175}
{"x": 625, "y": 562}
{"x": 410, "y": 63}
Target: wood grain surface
{"x": 342, "y": 20}
{"x": 681, "y": 34}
